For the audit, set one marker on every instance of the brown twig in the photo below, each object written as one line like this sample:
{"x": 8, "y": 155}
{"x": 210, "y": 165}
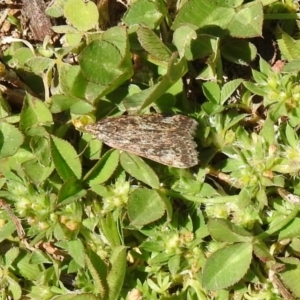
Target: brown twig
{"x": 17, "y": 222}
{"x": 39, "y": 22}
{"x": 288, "y": 196}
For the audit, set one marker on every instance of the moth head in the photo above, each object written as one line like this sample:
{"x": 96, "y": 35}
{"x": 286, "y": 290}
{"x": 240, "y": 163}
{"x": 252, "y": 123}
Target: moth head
{"x": 83, "y": 122}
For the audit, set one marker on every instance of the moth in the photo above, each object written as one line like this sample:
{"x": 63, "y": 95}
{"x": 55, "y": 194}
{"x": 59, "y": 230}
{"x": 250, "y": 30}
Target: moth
{"x": 164, "y": 139}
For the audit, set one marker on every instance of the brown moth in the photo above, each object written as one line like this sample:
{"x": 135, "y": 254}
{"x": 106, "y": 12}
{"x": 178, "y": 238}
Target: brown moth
{"x": 164, "y": 139}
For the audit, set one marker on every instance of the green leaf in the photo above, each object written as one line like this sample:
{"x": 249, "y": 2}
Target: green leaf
{"x": 65, "y": 159}
{"x": 290, "y": 231}
{"x": 107, "y": 62}
{"x": 212, "y": 91}
{"x": 66, "y": 29}
{"x": 268, "y": 132}
{"x": 102, "y": 191}
{"x": 59, "y": 103}
{"x": 167, "y": 203}
{"x": 234, "y": 121}
{"x": 182, "y": 39}
{"x": 229, "y": 88}
{"x": 153, "y": 44}
{"x": 104, "y": 168}
{"x": 265, "y": 67}
{"x": 118, "y": 37}
{"x": 98, "y": 271}
{"x": 74, "y": 39}
{"x": 143, "y": 13}
{"x": 211, "y": 108}
{"x": 72, "y": 83}
{"x": 10, "y": 256}
{"x": 10, "y": 140}
{"x": 72, "y": 296}
{"x": 259, "y": 77}
{"x": 216, "y": 273}
{"x": 34, "y": 112}
{"x": 214, "y": 69}
{"x": 55, "y": 9}
{"x": 247, "y": 21}
{"x": 40, "y": 148}
{"x": 205, "y": 46}
{"x": 145, "y": 206}
{"x": 292, "y": 66}
{"x": 291, "y": 136}
{"x": 81, "y": 108}
{"x": 238, "y": 51}
{"x": 254, "y": 88}
{"x": 138, "y": 169}
{"x": 261, "y": 250}
{"x": 152, "y": 246}
{"x": 92, "y": 147}
{"x": 70, "y": 191}
{"x": 77, "y": 252}
{"x": 14, "y": 288}
{"x": 137, "y": 100}
{"x": 203, "y": 13}
{"x": 6, "y": 231}
{"x": 82, "y": 15}
{"x": 37, "y": 172}
{"x": 193, "y": 46}
{"x": 290, "y": 274}
{"x": 289, "y": 47}
{"x": 39, "y": 257}
{"x": 39, "y": 64}
{"x": 110, "y": 229}
{"x": 27, "y": 269}
{"x": 4, "y": 108}
{"x": 176, "y": 70}
{"x": 116, "y": 275}
{"x": 229, "y": 3}
{"x": 22, "y": 55}
{"x": 100, "y": 62}
{"x": 224, "y": 231}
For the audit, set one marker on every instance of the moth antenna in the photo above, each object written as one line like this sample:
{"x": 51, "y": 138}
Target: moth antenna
{"x": 85, "y": 147}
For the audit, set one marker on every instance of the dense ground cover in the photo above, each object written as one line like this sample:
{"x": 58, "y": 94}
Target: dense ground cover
{"x": 81, "y": 220}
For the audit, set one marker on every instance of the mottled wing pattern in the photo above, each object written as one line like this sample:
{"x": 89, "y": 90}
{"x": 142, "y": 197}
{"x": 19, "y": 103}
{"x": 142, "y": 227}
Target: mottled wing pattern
{"x": 165, "y": 139}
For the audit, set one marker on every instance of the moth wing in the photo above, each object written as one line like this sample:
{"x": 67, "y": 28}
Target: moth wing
{"x": 164, "y": 139}
{"x": 151, "y": 122}
{"x": 177, "y": 150}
